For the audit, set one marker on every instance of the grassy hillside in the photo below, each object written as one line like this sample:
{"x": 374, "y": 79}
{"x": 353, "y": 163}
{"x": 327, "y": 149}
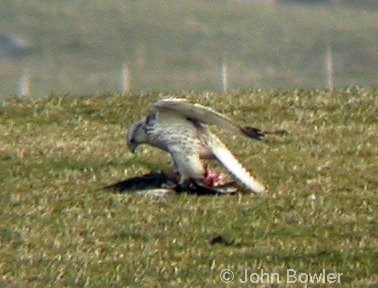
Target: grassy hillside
{"x": 58, "y": 227}
{"x": 80, "y": 46}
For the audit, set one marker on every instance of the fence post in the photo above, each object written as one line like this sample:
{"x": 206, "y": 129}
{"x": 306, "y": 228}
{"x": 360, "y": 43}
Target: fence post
{"x": 329, "y": 67}
{"x": 125, "y": 79}
{"x": 224, "y": 77}
{"x": 23, "y": 85}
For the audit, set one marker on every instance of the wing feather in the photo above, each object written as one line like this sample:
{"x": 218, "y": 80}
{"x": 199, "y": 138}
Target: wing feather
{"x": 201, "y": 114}
{"x": 229, "y": 161}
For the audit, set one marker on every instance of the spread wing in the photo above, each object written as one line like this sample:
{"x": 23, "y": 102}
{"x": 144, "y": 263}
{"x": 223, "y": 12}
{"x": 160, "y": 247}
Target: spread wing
{"x": 201, "y": 114}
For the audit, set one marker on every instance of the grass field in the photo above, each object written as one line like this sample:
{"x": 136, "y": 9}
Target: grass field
{"x": 59, "y": 228}
{"x": 80, "y": 47}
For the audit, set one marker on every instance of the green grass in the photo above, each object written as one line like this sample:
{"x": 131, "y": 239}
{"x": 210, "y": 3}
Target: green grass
{"x": 80, "y": 46}
{"x": 59, "y": 228}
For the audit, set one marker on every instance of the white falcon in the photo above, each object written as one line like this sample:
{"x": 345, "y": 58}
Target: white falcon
{"x": 176, "y": 126}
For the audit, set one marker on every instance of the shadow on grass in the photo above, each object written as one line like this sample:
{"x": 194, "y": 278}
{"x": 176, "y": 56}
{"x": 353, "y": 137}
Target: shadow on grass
{"x": 167, "y": 183}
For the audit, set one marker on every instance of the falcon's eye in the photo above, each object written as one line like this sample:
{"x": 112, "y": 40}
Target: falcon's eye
{"x": 151, "y": 117}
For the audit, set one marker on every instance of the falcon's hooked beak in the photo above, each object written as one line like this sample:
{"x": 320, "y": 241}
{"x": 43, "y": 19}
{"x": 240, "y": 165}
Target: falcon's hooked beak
{"x": 130, "y": 140}
{"x": 132, "y": 146}
{"x": 135, "y": 136}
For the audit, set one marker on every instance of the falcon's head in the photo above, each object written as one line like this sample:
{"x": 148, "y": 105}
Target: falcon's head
{"x": 136, "y": 135}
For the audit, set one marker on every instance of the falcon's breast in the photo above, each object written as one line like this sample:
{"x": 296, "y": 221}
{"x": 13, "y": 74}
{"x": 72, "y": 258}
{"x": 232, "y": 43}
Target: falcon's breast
{"x": 176, "y": 133}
